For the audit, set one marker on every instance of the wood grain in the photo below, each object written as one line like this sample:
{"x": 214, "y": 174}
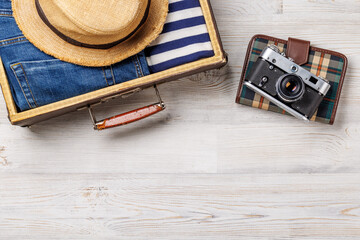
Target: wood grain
{"x": 206, "y": 168}
{"x": 110, "y": 206}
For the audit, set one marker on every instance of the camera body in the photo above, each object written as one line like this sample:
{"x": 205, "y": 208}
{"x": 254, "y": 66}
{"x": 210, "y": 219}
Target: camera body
{"x": 286, "y": 84}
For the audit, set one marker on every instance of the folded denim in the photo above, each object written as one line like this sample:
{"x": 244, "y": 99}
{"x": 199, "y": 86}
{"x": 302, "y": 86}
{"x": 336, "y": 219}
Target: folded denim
{"x": 37, "y": 79}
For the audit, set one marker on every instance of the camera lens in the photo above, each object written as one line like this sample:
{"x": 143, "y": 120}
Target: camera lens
{"x": 290, "y": 87}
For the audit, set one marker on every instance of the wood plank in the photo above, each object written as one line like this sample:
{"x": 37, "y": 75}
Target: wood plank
{"x": 92, "y": 206}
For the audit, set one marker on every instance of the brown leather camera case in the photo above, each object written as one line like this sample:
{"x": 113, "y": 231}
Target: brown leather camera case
{"x": 328, "y": 64}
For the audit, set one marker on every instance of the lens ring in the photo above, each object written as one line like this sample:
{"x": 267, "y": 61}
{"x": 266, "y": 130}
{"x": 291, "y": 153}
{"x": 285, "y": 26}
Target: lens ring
{"x": 290, "y": 87}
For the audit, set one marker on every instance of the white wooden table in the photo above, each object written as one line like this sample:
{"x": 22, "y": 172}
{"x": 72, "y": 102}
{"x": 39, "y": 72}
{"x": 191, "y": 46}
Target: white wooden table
{"x": 206, "y": 168}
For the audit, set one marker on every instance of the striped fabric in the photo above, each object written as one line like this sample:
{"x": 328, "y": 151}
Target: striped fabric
{"x": 184, "y": 39}
{"x": 320, "y": 63}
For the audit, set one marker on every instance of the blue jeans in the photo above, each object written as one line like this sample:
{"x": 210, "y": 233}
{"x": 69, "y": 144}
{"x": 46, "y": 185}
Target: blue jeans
{"x": 37, "y": 79}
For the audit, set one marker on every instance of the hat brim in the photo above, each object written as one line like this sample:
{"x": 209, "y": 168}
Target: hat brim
{"x": 39, "y": 34}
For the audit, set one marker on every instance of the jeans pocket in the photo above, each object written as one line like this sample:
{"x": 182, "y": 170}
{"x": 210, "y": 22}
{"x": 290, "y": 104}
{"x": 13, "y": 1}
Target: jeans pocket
{"x": 37, "y": 83}
{"x": 23, "y": 82}
{"x": 8, "y": 28}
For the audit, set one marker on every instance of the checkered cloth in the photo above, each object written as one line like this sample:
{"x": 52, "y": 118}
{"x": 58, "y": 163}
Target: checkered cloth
{"x": 327, "y": 66}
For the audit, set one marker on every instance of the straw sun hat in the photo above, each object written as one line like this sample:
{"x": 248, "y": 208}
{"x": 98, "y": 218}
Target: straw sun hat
{"x": 90, "y": 32}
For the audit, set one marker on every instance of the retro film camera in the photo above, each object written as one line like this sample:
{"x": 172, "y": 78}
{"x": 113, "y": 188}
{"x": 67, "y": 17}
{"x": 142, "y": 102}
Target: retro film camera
{"x": 286, "y": 84}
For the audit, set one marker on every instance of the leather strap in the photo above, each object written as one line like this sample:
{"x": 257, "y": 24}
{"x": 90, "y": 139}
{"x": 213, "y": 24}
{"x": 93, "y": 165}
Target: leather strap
{"x": 129, "y": 117}
{"x": 85, "y": 45}
{"x": 298, "y": 50}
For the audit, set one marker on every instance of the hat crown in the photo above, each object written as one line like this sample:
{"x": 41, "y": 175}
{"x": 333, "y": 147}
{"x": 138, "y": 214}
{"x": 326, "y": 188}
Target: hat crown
{"x": 45, "y": 24}
{"x": 95, "y": 21}
{"x": 104, "y": 16}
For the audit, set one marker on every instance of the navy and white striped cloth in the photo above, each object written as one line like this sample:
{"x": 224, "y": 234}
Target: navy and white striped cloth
{"x": 184, "y": 39}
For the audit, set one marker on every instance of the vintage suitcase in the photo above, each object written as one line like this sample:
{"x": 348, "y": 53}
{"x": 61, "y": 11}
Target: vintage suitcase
{"x": 86, "y": 101}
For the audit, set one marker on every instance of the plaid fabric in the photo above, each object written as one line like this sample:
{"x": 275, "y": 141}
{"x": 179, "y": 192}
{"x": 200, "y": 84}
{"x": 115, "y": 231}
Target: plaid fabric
{"x": 325, "y": 65}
